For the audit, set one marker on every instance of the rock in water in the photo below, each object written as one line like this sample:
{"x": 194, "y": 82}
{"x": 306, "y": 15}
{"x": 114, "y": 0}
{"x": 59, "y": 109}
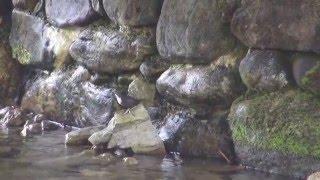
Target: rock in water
{"x": 131, "y": 129}
{"x": 69, "y": 12}
{"x": 80, "y": 137}
{"x": 13, "y": 118}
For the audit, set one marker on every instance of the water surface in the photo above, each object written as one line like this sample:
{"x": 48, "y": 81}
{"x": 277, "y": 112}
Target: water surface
{"x": 46, "y": 157}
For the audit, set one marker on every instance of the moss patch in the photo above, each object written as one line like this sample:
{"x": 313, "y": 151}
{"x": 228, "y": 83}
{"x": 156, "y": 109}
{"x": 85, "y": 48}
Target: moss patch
{"x": 22, "y": 54}
{"x": 288, "y": 122}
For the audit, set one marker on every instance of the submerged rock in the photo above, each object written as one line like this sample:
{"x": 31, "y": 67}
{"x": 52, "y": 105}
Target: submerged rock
{"x": 195, "y": 31}
{"x": 47, "y": 125}
{"x": 189, "y": 136}
{"x": 266, "y": 70}
{"x": 306, "y": 71}
{"x": 66, "y": 98}
{"x": 35, "y": 43}
{"x": 131, "y": 129}
{"x": 129, "y": 161}
{"x": 278, "y": 132}
{"x": 69, "y": 12}
{"x": 103, "y": 49}
{"x": 133, "y": 12}
{"x": 80, "y": 137}
{"x": 31, "y": 129}
{"x": 13, "y": 118}
{"x": 285, "y": 25}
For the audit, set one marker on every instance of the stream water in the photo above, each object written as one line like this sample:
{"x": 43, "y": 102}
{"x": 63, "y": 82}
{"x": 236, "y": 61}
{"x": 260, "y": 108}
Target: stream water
{"x": 46, "y": 157}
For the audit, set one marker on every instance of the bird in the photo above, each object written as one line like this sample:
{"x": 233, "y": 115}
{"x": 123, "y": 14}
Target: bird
{"x": 125, "y": 101}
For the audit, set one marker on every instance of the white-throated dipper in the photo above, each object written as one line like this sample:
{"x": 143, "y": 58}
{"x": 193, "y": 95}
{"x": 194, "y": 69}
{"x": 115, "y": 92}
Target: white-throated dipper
{"x": 126, "y": 101}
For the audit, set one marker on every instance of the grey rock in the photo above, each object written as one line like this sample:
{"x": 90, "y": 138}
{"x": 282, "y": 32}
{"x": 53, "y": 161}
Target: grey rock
{"x": 195, "y": 31}
{"x": 285, "y": 25}
{"x": 27, "y": 5}
{"x": 153, "y": 67}
{"x": 35, "y": 43}
{"x": 103, "y": 49}
{"x": 142, "y": 91}
{"x": 13, "y": 118}
{"x": 200, "y": 86}
{"x": 65, "y": 98}
{"x": 70, "y": 12}
{"x": 31, "y": 129}
{"x": 306, "y": 71}
{"x": 80, "y": 137}
{"x": 266, "y": 70}
{"x": 131, "y": 130}
{"x": 133, "y": 12}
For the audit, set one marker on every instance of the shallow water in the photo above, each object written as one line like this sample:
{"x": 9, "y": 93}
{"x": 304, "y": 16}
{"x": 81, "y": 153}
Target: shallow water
{"x": 46, "y": 157}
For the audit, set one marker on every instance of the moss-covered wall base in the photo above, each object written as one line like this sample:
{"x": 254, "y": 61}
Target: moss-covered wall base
{"x": 278, "y": 127}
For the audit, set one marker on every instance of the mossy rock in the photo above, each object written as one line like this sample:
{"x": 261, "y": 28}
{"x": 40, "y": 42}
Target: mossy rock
{"x": 278, "y": 132}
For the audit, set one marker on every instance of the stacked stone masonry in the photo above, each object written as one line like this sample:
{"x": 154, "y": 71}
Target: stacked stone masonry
{"x": 240, "y": 77}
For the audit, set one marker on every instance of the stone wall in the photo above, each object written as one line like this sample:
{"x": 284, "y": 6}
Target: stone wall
{"x": 220, "y": 78}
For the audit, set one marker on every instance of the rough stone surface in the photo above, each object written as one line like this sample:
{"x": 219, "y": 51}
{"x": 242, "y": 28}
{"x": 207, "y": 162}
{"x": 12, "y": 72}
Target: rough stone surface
{"x": 131, "y": 130}
{"x": 69, "y": 12}
{"x": 306, "y": 71}
{"x": 195, "y": 31}
{"x": 104, "y": 49}
{"x": 153, "y": 67}
{"x": 278, "y": 132}
{"x": 142, "y": 91}
{"x": 13, "y": 118}
{"x": 200, "y": 86}
{"x": 10, "y": 76}
{"x": 189, "y": 136}
{"x": 266, "y": 70}
{"x": 67, "y": 98}
{"x": 35, "y": 43}
{"x": 286, "y": 25}
{"x": 27, "y": 5}
{"x": 133, "y": 12}
{"x": 81, "y": 136}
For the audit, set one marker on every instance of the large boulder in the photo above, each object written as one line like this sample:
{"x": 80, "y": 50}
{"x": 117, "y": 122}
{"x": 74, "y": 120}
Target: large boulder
{"x": 266, "y": 70}
{"x": 10, "y": 76}
{"x": 69, "y": 12}
{"x": 28, "y": 5}
{"x": 131, "y": 130}
{"x": 67, "y": 97}
{"x": 195, "y": 31}
{"x": 286, "y": 25}
{"x": 35, "y": 43}
{"x": 306, "y": 71}
{"x": 189, "y": 136}
{"x": 133, "y": 12}
{"x": 105, "y": 49}
{"x": 278, "y": 132}
{"x": 202, "y": 87}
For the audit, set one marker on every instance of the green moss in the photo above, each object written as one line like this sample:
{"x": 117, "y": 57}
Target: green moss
{"x": 288, "y": 122}
{"x": 22, "y": 54}
{"x": 311, "y": 77}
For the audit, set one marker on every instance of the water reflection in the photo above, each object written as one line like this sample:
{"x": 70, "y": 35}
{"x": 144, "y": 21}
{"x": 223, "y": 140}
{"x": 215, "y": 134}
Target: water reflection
{"x": 46, "y": 157}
